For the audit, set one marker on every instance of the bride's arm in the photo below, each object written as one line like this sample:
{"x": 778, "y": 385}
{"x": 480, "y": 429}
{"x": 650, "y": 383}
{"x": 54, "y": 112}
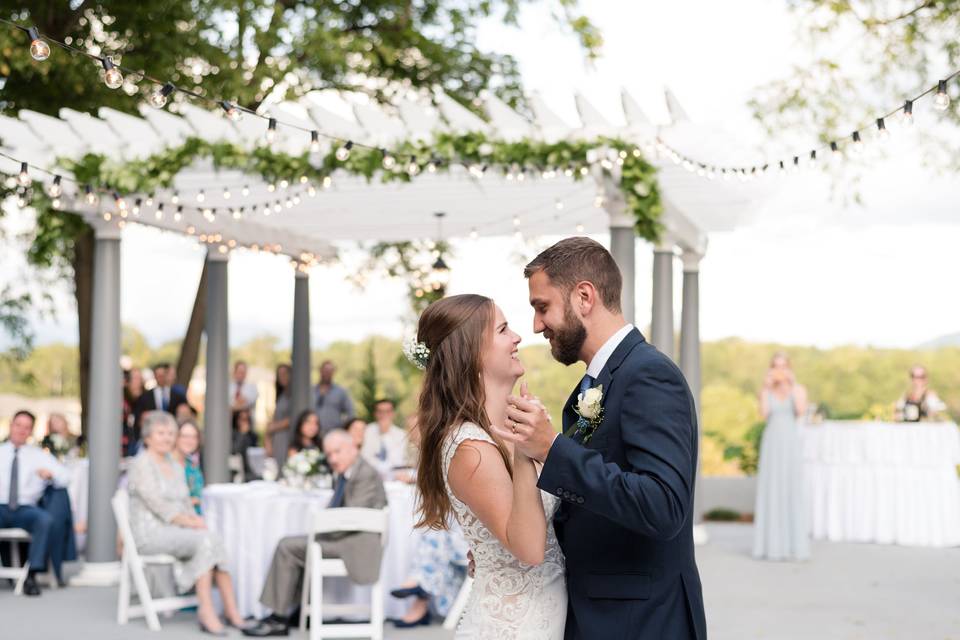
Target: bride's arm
{"x": 511, "y": 510}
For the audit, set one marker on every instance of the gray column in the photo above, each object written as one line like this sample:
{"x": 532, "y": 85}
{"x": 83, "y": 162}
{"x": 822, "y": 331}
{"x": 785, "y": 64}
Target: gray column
{"x": 217, "y": 430}
{"x": 622, "y": 246}
{"x": 300, "y": 379}
{"x": 661, "y": 329}
{"x": 106, "y": 412}
{"x": 690, "y": 323}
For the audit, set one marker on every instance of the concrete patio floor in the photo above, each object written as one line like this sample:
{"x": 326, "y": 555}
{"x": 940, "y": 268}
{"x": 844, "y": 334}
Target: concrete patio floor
{"x": 846, "y": 592}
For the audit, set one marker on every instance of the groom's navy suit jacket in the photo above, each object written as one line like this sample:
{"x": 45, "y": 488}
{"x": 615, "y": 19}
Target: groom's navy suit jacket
{"x": 627, "y": 500}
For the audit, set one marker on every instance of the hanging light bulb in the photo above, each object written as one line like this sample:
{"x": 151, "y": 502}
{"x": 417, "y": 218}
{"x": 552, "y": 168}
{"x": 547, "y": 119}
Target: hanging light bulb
{"x": 288, "y": 203}
{"x": 159, "y": 212}
{"x": 266, "y": 210}
{"x": 24, "y": 178}
{"x": 245, "y": 191}
{"x": 882, "y": 132}
{"x": 178, "y": 214}
{"x": 39, "y": 50}
{"x": 277, "y": 207}
{"x": 389, "y": 162}
{"x": 412, "y": 167}
{"x": 159, "y": 97}
{"x": 314, "y": 141}
{"x": 579, "y": 227}
{"x": 432, "y": 166}
{"x": 237, "y": 214}
{"x": 835, "y": 149}
{"x": 149, "y": 201}
{"x": 907, "y": 118}
{"x": 813, "y": 157}
{"x": 311, "y": 191}
{"x": 558, "y": 204}
{"x": 201, "y": 196}
{"x": 271, "y": 133}
{"x": 284, "y": 183}
{"x": 343, "y": 151}
{"x": 796, "y": 164}
{"x": 175, "y": 198}
{"x": 230, "y": 110}
{"x": 119, "y": 202}
{"x": 473, "y": 234}
{"x": 857, "y": 142}
{"x": 942, "y": 100}
{"x": 55, "y": 189}
{"x": 91, "y": 195}
{"x": 271, "y": 187}
{"x": 327, "y": 181}
{"x": 55, "y": 203}
{"x": 226, "y": 193}
{"x": 136, "y": 207}
{"x": 303, "y": 179}
{"x": 111, "y": 75}
{"x": 783, "y": 169}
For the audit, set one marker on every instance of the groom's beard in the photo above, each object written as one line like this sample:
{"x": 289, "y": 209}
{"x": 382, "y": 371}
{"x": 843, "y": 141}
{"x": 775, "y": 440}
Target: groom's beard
{"x": 566, "y": 341}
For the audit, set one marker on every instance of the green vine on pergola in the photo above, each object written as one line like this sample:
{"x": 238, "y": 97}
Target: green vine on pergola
{"x": 574, "y": 158}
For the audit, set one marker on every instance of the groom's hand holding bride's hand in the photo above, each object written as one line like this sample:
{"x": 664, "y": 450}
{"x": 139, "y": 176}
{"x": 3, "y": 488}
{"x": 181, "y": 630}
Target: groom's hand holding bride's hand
{"x": 528, "y": 425}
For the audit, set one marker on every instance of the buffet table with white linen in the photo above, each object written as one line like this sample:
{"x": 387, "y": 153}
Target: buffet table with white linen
{"x": 253, "y": 517}
{"x": 886, "y": 483}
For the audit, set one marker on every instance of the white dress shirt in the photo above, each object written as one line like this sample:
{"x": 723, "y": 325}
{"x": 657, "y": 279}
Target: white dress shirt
{"x": 393, "y": 443}
{"x": 30, "y": 486}
{"x": 599, "y": 360}
{"x": 248, "y": 392}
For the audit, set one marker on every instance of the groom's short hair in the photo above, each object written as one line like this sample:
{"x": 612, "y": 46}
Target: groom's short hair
{"x": 577, "y": 259}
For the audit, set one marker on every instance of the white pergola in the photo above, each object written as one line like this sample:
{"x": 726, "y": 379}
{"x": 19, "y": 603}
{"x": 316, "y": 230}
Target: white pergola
{"x": 353, "y": 209}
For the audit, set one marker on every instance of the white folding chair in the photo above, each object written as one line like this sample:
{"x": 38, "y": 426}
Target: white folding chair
{"x": 15, "y": 571}
{"x": 132, "y": 567}
{"x": 317, "y": 568}
{"x": 459, "y": 604}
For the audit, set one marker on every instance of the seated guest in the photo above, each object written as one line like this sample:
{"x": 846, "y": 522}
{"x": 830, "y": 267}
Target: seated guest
{"x": 187, "y": 453}
{"x": 25, "y": 472}
{"x": 185, "y": 413}
{"x": 357, "y": 484}
{"x": 243, "y": 438}
{"x": 384, "y": 443}
{"x": 437, "y": 571}
{"x": 132, "y": 390}
{"x": 306, "y": 435}
{"x": 59, "y": 441}
{"x": 163, "y": 520}
{"x": 919, "y": 402}
{"x": 356, "y": 428}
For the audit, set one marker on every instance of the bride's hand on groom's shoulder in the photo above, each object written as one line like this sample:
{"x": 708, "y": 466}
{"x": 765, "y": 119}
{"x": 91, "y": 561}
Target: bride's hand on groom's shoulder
{"x": 528, "y": 425}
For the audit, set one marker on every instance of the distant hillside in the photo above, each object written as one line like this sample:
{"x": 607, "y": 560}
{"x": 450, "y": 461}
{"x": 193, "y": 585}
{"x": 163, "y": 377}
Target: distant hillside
{"x": 950, "y": 340}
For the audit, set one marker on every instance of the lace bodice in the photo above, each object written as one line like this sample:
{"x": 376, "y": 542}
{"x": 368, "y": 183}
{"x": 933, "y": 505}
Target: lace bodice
{"x": 510, "y": 599}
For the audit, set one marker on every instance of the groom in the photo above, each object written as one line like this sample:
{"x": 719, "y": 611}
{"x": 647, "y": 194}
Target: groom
{"x": 625, "y": 465}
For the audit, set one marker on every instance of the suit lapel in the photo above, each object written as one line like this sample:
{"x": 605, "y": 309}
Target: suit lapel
{"x": 629, "y": 342}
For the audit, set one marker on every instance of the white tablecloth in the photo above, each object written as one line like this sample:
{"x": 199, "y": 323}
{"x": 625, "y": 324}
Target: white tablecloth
{"x": 884, "y": 483}
{"x": 253, "y": 517}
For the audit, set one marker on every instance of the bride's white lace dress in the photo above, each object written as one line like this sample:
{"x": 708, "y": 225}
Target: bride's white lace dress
{"x": 510, "y": 600}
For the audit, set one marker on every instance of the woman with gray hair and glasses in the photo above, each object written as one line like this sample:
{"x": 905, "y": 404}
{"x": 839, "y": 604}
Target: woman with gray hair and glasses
{"x": 163, "y": 521}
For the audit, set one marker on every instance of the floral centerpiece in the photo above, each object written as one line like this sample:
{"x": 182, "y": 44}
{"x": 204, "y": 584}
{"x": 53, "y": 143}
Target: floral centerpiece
{"x": 306, "y": 469}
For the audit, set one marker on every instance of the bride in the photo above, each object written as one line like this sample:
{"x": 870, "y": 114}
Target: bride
{"x": 470, "y": 358}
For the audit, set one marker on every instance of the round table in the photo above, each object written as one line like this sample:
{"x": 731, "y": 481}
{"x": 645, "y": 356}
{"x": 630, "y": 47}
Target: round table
{"x": 886, "y": 483}
{"x": 251, "y": 518}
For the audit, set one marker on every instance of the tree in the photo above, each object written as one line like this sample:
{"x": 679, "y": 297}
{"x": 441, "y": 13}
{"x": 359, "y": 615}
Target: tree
{"x": 901, "y": 49}
{"x": 369, "y": 389}
{"x": 244, "y": 51}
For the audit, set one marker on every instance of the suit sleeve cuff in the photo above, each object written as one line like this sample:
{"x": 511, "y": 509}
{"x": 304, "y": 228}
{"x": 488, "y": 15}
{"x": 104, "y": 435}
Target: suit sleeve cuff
{"x": 553, "y": 476}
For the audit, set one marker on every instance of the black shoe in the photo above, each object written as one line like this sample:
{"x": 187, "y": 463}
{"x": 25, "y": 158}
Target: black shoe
{"x": 268, "y": 627}
{"x": 410, "y": 591}
{"x": 425, "y": 621}
{"x": 30, "y": 586}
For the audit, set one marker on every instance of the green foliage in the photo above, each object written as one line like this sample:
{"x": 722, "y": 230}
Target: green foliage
{"x": 368, "y": 395}
{"x": 722, "y": 515}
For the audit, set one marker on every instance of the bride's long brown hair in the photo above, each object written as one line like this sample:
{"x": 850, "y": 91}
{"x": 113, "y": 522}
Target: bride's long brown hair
{"x": 455, "y": 329}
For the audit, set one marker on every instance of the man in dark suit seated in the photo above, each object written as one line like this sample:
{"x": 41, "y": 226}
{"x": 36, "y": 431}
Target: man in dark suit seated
{"x": 356, "y": 484}
{"x": 25, "y": 473}
{"x": 165, "y": 396}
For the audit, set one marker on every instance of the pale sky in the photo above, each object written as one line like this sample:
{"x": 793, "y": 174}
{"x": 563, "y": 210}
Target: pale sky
{"x": 807, "y": 270}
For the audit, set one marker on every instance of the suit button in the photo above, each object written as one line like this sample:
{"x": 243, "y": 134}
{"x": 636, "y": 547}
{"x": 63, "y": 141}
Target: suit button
{"x": 567, "y": 495}
{"x": 560, "y": 492}
{"x": 579, "y": 499}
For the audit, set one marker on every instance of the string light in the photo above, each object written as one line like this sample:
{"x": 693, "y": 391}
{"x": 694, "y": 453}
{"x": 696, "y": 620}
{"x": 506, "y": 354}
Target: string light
{"x": 201, "y": 196}
{"x": 311, "y": 191}
{"x": 389, "y": 162}
{"x": 412, "y": 167}
{"x": 226, "y": 193}
{"x": 111, "y": 75}
{"x": 24, "y": 178}
{"x": 882, "y": 132}
{"x": 136, "y": 207}
{"x": 178, "y": 214}
{"x": 343, "y": 151}
{"x": 942, "y": 100}
{"x": 230, "y": 110}
{"x": 473, "y": 233}
{"x": 271, "y": 133}
{"x": 55, "y": 190}
{"x": 857, "y": 142}
{"x": 835, "y": 148}
{"x": 159, "y": 212}
{"x": 284, "y": 183}
{"x": 159, "y": 97}
{"x": 579, "y": 227}
{"x": 39, "y": 50}
{"x": 91, "y": 195}
{"x": 119, "y": 202}
{"x": 175, "y": 198}
{"x": 431, "y": 167}
{"x": 314, "y": 141}
{"x": 245, "y": 191}
{"x": 907, "y": 117}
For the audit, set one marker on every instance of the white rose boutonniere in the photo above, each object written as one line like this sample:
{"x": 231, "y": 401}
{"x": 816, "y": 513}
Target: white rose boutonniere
{"x": 590, "y": 409}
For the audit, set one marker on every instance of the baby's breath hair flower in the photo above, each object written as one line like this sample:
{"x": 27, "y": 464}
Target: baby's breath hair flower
{"x": 417, "y": 353}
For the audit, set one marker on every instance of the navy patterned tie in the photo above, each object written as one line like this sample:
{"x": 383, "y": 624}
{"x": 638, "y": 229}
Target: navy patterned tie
{"x": 337, "y": 500}
{"x": 586, "y": 383}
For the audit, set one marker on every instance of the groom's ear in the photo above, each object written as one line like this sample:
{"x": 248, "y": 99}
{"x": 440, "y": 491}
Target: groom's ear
{"x": 585, "y": 296}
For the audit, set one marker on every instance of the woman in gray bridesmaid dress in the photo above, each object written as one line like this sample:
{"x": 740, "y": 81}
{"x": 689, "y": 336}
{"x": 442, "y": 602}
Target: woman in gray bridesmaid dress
{"x": 780, "y": 524}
